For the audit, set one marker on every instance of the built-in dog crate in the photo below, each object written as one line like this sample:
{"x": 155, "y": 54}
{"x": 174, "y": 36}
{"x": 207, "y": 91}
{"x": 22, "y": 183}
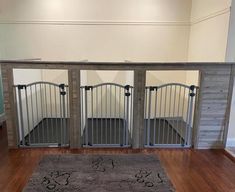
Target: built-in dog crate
{"x": 106, "y": 108}
{"x": 203, "y": 114}
{"x": 169, "y": 109}
{"x": 42, "y": 108}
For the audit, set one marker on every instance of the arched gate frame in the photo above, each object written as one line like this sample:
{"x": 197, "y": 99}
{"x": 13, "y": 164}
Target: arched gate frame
{"x": 106, "y": 115}
{"x": 168, "y": 114}
{"x": 43, "y": 114}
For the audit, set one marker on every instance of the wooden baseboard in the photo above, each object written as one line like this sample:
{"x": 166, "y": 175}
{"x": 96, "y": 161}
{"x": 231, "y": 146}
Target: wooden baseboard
{"x": 229, "y": 155}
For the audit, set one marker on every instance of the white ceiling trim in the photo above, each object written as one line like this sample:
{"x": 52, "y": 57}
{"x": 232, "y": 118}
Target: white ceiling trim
{"x": 113, "y": 22}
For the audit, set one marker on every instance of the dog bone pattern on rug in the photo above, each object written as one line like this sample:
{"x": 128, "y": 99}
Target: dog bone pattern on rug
{"x": 99, "y": 173}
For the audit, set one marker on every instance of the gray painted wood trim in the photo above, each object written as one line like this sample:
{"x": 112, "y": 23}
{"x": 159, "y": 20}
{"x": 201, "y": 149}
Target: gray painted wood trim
{"x": 12, "y": 133}
{"x": 75, "y": 112}
{"x": 138, "y": 108}
{"x": 229, "y": 103}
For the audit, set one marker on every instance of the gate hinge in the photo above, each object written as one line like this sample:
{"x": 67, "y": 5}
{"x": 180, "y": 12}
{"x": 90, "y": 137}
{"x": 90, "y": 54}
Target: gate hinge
{"x": 87, "y": 88}
{"x": 62, "y": 86}
{"x": 127, "y": 94}
{"x": 152, "y": 88}
{"x": 127, "y": 87}
{"x": 192, "y": 87}
{"x": 21, "y": 86}
{"x": 63, "y": 93}
{"x": 192, "y": 94}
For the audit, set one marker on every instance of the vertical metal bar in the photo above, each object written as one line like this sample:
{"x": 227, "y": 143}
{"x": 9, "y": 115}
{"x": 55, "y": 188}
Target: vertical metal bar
{"x": 187, "y": 117}
{"x": 106, "y": 114}
{"x": 177, "y": 133}
{"x": 97, "y": 122}
{"x": 119, "y": 112}
{"x": 67, "y": 118}
{"x": 115, "y": 114}
{"x": 155, "y": 118}
{"x": 164, "y": 122}
{"x": 190, "y": 118}
{"x": 56, "y": 113}
{"x": 21, "y": 116}
{"x": 181, "y": 101}
{"x": 52, "y": 123}
{"x": 86, "y": 119}
{"x": 168, "y": 124}
{"x": 127, "y": 118}
{"x": 110, "y": 123}
{"x": 61, "y": 120}
{"x": 145, "y": 115}
{"x": 16, "y": 102}
{"x": 174, "y": 112}
{"x": 124, "y": 118}
{"x": 131, "y": 114}
{"x": 82, "y": 112}
{"x": 92, "y": 118}
{"x": 63, "y": 117}
{"x": 42, "y": 110}
{"x": 47, "y": 124}
{"x": 101, "y": 119}
{"x": 27, "y": 113}
{"x": 182, "y": 113}
{"x": 149, "y": 116}
{"x": 160, "y": 113}
{"x": 38, "y": 136}
{"x": 32, "y": 111}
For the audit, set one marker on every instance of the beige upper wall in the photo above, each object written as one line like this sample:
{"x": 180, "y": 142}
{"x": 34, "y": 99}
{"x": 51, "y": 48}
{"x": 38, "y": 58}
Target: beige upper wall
{"x": 130, "y": 10}
{"x": 204, "y": 8}
{"x": 87, "y": 29}
{"x": 208, "y": 39}
{"x": 209, "y": 30}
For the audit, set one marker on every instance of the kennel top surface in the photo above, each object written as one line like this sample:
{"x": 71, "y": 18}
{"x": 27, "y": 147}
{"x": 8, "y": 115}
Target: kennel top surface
{"x": 115, "y": 65}
{"x": 110, "y": 63}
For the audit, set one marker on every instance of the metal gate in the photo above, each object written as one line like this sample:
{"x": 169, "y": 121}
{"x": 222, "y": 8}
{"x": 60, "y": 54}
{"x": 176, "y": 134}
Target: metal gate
{"x": 168, "y": 115}
{"x": 106, "y": 115}
{"x": 43, "y": 112}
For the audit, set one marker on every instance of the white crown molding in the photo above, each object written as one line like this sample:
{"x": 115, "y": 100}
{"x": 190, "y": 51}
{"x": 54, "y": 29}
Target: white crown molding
{"x": 210, "y": 16}
{"x": 108, "y": 22}
{"x": 91, "y": 22}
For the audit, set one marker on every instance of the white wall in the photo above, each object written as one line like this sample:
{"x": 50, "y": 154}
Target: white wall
{"x": 154, "y": 30}
{"x": 230, "y": 57}
{"x": 27, "y": 76}
{"x": 179, "y": 97}
{"x": 94, "y": 77}
{"x": 231, "y": 128}
{"x": 22, "y": 77}
{"x": 55, "y": 76}
{"x": 209, "y": 30}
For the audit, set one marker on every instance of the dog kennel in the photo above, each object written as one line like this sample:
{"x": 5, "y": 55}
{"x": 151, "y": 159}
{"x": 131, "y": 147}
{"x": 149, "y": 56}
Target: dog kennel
{"x": 42, "y": 109}
{"x": 169, "y": 110}
{"x": 107, "y": 110}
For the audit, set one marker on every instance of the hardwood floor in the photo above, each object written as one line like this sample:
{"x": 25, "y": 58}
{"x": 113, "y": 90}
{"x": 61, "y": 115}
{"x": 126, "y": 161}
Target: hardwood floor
{"x": 189, "y": 170}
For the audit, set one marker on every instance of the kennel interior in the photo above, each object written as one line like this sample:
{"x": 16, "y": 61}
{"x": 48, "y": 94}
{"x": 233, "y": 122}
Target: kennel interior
{"x": 106, "y": 108}
{"x": 42, "y": 106}
{"x": 170, "y": 99}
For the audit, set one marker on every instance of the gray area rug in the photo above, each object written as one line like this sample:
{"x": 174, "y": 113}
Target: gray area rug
{"x": 99, "y": 173}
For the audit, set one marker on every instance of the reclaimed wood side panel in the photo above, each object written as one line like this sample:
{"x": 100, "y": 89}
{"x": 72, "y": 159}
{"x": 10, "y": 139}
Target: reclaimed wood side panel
{"x": 75, "y": 112}
{"x": 9, "y": 106}
{"x": 214, "y": 104}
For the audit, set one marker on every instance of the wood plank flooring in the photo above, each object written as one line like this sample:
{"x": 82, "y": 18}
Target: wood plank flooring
{"x": 189, "y": 170}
